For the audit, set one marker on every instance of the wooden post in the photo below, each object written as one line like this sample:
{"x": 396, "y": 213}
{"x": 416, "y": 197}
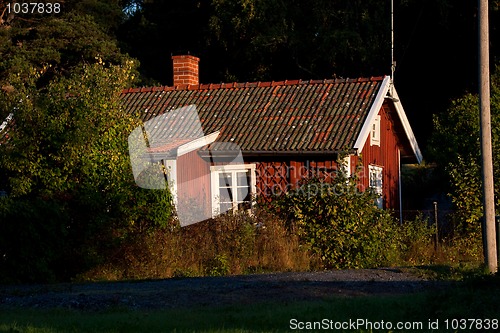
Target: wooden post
{"x": 489, "y": 237}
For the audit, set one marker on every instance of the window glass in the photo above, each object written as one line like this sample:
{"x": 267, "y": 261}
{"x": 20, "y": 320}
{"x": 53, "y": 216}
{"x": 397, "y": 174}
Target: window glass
{"x": 243, "y": 178}
{"x": 376, "y": 182}
{"x": 225, "y": 206}
{"x": 225, "y": 195}
{"x": 243, "y": 194}
{"x": 225, "y": 179}
{"x": 232, "y": 188}
{"x": 375, "y": 132}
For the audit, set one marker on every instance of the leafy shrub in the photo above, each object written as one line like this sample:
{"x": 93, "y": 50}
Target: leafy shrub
{"x": 72, "y": 198}
{"x": 340, "y": 223}
{"x": 414, "y": 243}
{"x": 455, "y": 146}
{"x": 218, "y": 266}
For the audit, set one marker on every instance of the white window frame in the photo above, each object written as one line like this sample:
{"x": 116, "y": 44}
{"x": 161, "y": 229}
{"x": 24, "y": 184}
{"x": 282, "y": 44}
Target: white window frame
{"x": 376, "y": 182}
{"x": 375, "y": 132}
{"x": 233, "y": 169}
{"x": 171, "y": 169}
{"x": 347, "y": 166}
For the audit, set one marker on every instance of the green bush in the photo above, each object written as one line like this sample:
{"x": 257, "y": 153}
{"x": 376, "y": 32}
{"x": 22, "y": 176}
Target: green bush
{"x": 218, "y": 266}
{"x": 455, "y": 146}
{"x": 414, "y": 243}
{"x": 340, "y": 223}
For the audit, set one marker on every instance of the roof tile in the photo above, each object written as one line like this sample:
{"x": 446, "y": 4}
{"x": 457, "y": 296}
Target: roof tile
{"x": 278, "y": 116}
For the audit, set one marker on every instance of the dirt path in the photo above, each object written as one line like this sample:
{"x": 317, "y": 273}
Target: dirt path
{"x": 215, "y": 291}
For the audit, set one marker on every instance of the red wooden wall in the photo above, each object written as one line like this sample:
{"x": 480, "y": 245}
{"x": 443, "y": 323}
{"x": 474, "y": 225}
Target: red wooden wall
{"x": 193, "y": 182}
{"x": 276, "y": 175}
{"x": 386, "y": 156}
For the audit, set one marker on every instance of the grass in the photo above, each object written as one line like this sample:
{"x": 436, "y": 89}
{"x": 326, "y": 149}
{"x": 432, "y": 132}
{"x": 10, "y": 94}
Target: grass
{"x": 475, "y": 298}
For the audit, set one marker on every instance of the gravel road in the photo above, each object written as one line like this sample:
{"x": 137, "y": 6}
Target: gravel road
{"x": 216, "y": 291}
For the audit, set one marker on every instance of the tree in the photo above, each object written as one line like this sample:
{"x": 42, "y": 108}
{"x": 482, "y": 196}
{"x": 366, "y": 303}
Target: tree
{"x": 60, "y": 42}
{"x": 247, "y": 40}
{"x": 157, "y": 29}
{"x": 312, "y": 39}
{"x": 71, "y": 193}
{"x": 68, "y": 168}
{"x": 455, "y": 145}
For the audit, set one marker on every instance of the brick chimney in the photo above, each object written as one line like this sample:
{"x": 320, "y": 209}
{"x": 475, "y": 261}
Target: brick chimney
{"x": 186, "y": 70}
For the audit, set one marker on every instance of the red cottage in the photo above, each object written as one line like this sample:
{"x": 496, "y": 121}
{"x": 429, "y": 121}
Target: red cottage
{"x": 284, "y": 131}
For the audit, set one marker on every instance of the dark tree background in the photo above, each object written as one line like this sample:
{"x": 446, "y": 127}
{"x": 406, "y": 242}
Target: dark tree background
{"x": 250, "y": 40}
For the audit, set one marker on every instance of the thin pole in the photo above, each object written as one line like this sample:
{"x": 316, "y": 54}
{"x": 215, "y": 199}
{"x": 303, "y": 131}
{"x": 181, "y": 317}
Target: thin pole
{"x": 393, "y": 63}
{"x": 489, "y": 237}
{"x": 436, "y": 224}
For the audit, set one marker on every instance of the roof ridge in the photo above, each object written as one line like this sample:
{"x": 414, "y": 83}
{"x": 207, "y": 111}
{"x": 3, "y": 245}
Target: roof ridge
{"x": 228, "y": 85}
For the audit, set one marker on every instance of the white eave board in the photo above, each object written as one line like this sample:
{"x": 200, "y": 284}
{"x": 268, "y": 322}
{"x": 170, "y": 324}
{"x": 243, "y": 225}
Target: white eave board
{"x": 374, "y": 110}
{"x": 387, "y": 91}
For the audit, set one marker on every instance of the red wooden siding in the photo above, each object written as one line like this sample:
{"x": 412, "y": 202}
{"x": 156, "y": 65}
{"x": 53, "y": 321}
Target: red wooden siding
{"x": 272, "y": 178}
{"x": 385, "y": 156}
{"x": 193, "y": 182}
{"x": 276, "y": 177}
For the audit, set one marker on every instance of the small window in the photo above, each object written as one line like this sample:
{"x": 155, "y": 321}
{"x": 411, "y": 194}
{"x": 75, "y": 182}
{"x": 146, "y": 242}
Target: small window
{"x": 376, "y": 183}
{"x": 232, "y": 187}
{"x": 375, "y": 132}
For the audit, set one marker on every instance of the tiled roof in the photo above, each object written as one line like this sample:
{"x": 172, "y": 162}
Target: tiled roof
{"x": 285, "y": 116}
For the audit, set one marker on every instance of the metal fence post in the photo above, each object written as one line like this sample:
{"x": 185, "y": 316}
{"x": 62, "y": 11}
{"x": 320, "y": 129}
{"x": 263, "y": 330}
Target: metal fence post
{"x": 436, "y": 223}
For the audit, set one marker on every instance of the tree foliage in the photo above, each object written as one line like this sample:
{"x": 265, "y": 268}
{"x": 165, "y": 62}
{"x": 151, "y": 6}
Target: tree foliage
{"x": 245, "y": 40}
{"x": 455, "y": 144}
{"x": 65, "y": 166}
{"x": 55, "y": 44}
{"x": 314, "y": 38}
{"x": 69, "y": 172}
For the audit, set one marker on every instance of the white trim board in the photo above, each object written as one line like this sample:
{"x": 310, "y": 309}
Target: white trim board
{"x": 372, "y": 114}
{"x": 197, "y": 143}
{"x": 387, "y": 91}
{"x": 406, "y": 125}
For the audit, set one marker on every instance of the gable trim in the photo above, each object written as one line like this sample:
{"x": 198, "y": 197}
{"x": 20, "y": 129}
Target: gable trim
{"x": 197, "y": 143}
{"x": 374, "y": 110}
{"x": 406, "y": 125}
{"x": 388, "y": 90}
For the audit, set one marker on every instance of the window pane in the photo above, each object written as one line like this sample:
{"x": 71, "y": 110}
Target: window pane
{"x": 373, "y": 182}
{"x": 376, "y": 179}
{"x": 225, "y": 195}
{"x": 224, "y": 207}
{"x": 243, "y": 178}
{"x": 243, "y": 194}
{"x": 225, "y": 179}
